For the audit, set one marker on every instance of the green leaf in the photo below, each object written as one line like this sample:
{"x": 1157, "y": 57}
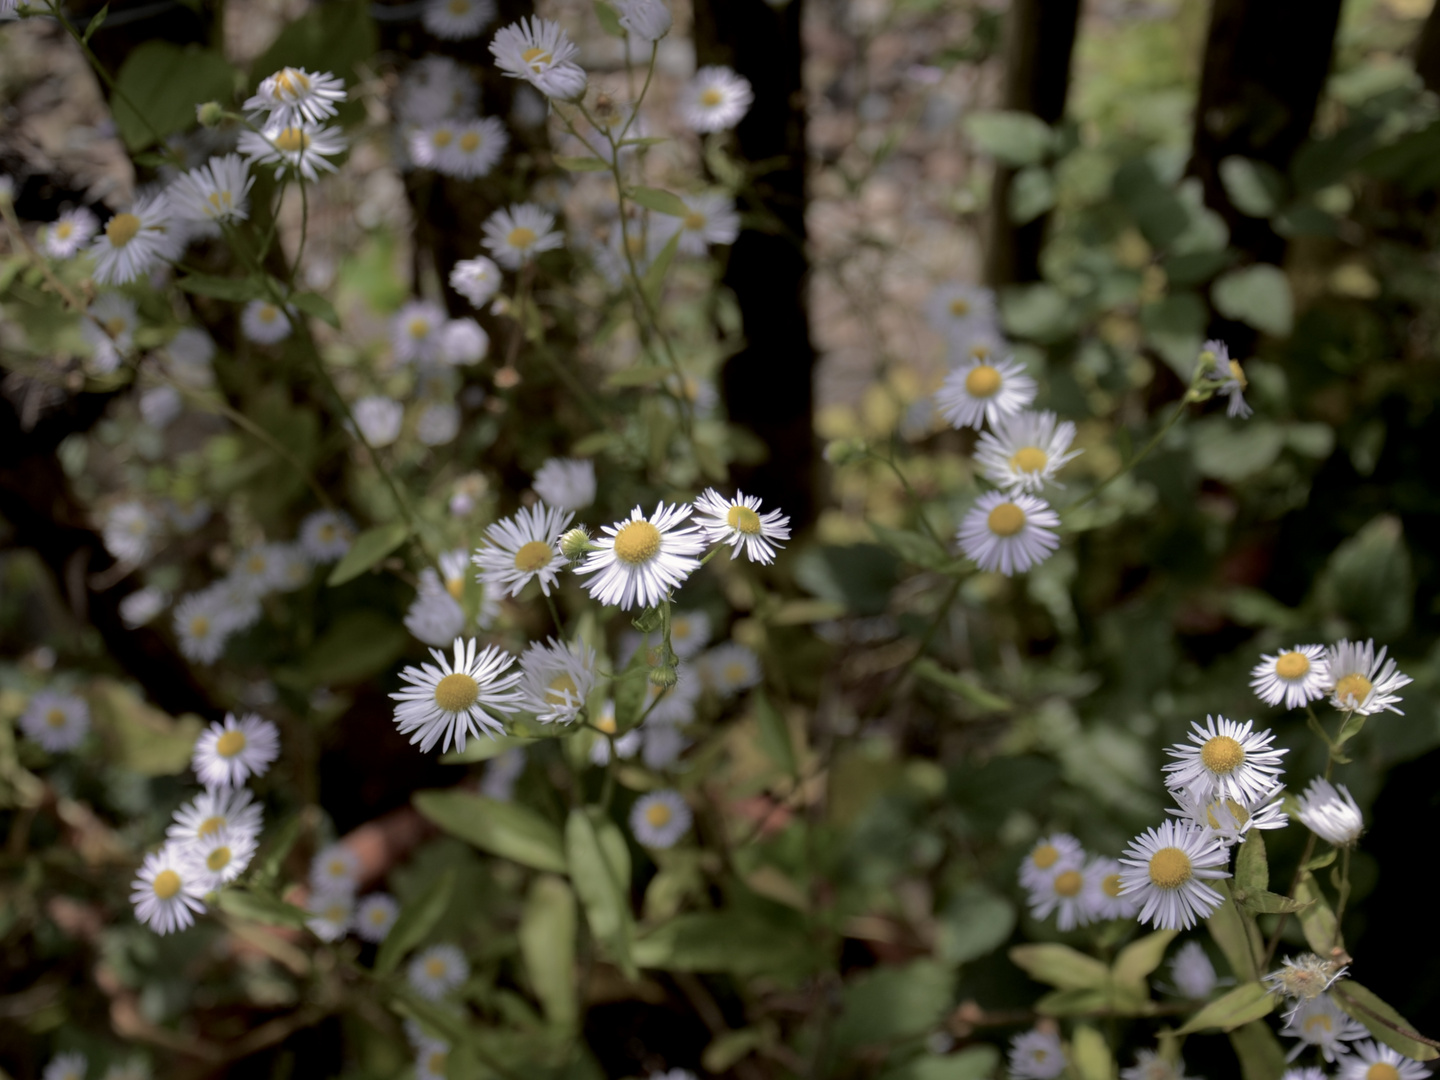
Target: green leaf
{"x": 600, "y": 870}
{"x": 95, "y": 23}
{"x": 916, "y": 548}
{"x": 1263, "y": 902}
{"x": 504, "y": 829}
{"x": 964, "y": 687}
{"x": 774, "y": 733}
{"x": 1322, "y": 933}
{"x": 974, "y": 922}
{"x": 1061, "y": 966}
{"x": 662, "y": 202}
{"x": 609, "y": 19}
{"x": 1233, "y": 452}
{"x": 1319, "y": 862}
{"x": 239, "y": 290}
{"x": 1247, "y": 1002}
{"x": 860, "y": 576}
{"x": 1076, "y": 1002}
{"x": 1252, "y": 870}
{"x": 654, "y": 279}
{"x": 316, "y": 306}
{"x": 1032, "y": 193}
{"x": 629, "y": 691}
{"x": 335, "y": 36}
{"x": 1039, "y": 312}
{"x": 582, "y": 164}
{"x": 1382, "y": 1021}
{"x": 1237, "y": 940}
{"x": 1138, "y": 959}
{"x": 1254, "y": 188}
{"x": 358, "y": 645}
{"x": 730, "y": 1047}
{"x": 1258, "y": 296}
{"x": 1261, "y": 1056}
{"x": 244, "y": 904}
{"x": 1369, "y": 579}
{"x": 280, "y": 841}
{"x": 1090, "y": 1054}
{"x": 547, "y": 944}
{"x": 137, "y": 736}
{"x": 972, "y": 1063}
{"x": 165, "y": 82}
{"x": 740, "y": 943}
{"x": 416, "y": 920}
{"x": 890, "y": 1003}
{"x": 1010, "y": 137}
{"x": 369, "y": 548}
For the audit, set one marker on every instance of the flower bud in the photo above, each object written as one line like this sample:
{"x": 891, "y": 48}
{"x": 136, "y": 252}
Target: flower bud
{"x": 209, "y": 114}
{"x": 664, "y": 676}
{"x": 575, "y": 543}
{"x": 645, "y": 20}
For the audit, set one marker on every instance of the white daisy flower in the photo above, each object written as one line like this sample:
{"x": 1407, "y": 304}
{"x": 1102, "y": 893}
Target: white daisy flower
{"x": 1374, "y": 1061}
{"x": 71, "y": 1066}
{"x": 729, "y": 668}
{"x": 1229, "y": 818}
{"x": 438, "y": 423}
{"x": 738, "y": 522}
{"x": 983, "y": 389}
{"x": 202, "y": 623}
{"x": 434, "y": 616}
{"x": 644, "y": 20}
{"x": 165, "y": 892}
{"x": 1036, "y": 1055}
{"x": 641, "y": 560}
{"x": 956, "y": 310}
{"x": 264, "y": 323}
{"x": 432, "y": 1059}
{"x": 109, "y": 327}
{"x": 1165, "y": 871}
{"x": 626, "y": 746}
{"x": 1217, "y": 355}
{"x": 1101, "y": 896}
{"x": 1151, "y": 1066}
{"x": 1329, "y": 812}
{"x": 1009, "y": 532}
{"x": 432, "y": 143}
{"x": 326, "y": 535}
{"x": 1321, "y": 1023}
{"x": 501, "y": 773}
{"x": 715, "y": 99}
{"x": 292, "y": 567}
{"x": 1192, "y": 972}
{"x": 674, "y": 704}
{"x": 214, "y": 810}
{"x": 1227, "y": 761}
{"x": 228, "y": 754}
{"x": 456, "y": 20}
{"x": 189, "y": 354}
{"x": 303, "y": 148}
{"x": 478, "y": 147}
{"x": 1053, "y": 853}
{"x": 542, "y": 54}
{"x": 56, "y": 721}
{"x": 1309, "y": 1072}
{"x": 415, "y": 331}
{"x": 660, "y": 818}
{"x": 1025, "y": 450}
{"x": 689, "y": 633}
{"x": 375, "y": 915}
{"x": 70, "y": 232}
{"x": 220, "y": 857}
{"x": 556, "y": 679}
{"x": 133, "y": 241}
{"x": 437, "y": 970}
{"x": 1061, "y": 893}
{"x": 159, "y": 406}
{"x": 568, "y": 483}
{"x": 142, "y": 605}
{"x": 517, "y": 233}
{"x": 456, "y": 700}
{"x": 295, "y": 96}
{"x": 331, "y": 914}
{"x": 379, "y": 419}
{"x": 710, "y": 219}
{"x": 519, "y": 549}
{"x": 130, "y": 531}
{"x": 335, "y": 869}
{"x": 475, "y": 279}
{"x": 433, "y": 88}
{"x": 1360, "y": 681}
{"x": 1296, "y": 677}
{"x": 463, "y": 342}
{"x": 260, "y": 569}
{"x": 216, "y": 191}
{"x": 662, "y": 745}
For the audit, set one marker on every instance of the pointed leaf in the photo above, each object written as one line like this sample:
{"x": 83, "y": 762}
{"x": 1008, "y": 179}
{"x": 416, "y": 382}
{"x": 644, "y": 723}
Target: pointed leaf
{"x": 609, "y": 19}
{"x": 1138, "y": 959}
{"x": 600, "y": 869}
{"x": 1322, "y": 933}
{"x": 258, "y": 908}
{"x": 416, "y": 920}
{"x": 504, "y": 829}
{"x": 1236, "y": 938}
{"x": 1261, "y": 1056}
{"x": 655, "y": 276}
{"x": 1091, "y": 1055}
{"x": 1382, "y": 1021}
{"x": 774, "y": 733}
{"x": 547, "y": 943}
{"x": 369, "y": 548}
{"x": 317, "y": 306}
{"x": 94, "y": 24}
{"x": 1264, "y": 902}
{"x": 1252, "y": 870}
{"x": 662, "y": 202}
{"x": 224, "y": 288}
{"x": 1061, "y": 966}
{"x": 1247, "y": 1002}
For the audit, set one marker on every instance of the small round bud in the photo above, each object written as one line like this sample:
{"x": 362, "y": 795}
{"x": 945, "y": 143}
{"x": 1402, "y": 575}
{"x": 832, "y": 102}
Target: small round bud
{"x": 575, "y": 543}
{"x": 664, "y": 676}
{"x": 209, "y": 114}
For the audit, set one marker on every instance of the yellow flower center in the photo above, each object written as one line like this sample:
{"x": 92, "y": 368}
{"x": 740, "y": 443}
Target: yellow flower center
{"x": 658, "y": 814}
{"x": 561, "y": 690}
{"x": 121, "y": 229}
{"x": 230, "y": 744}
{"x": 459, "y": 7}
{"x": 1237, "y": 813}
{"x": 63, "y": 229}
{"x": 378, "y": 915}
{"x": 338, "y": 868}
{"x": 1353, "y": 689}
{"x": 116, "y": 326}
{"x": 455, "y": 587}
{"x": 267, "y": 313}
{"x": 1222, "y": 755}
{"x": 166, "y": 884}
{"x": 292, "y": 82}
{"x": 1029, "y": 459}
{"x": 435, "y": 1063}
{"x": 1237, "y": 374}
{"x": 211, "y": 825}
{"x": 456, "y": 692}
{"x": 1292, "y": 665}
{"x": 435, "y": 967}
{"x": 199, "y": 626}
{"x": 520, "y": 237}
{"x": 1169, "y": 868}
{"x": 1007, "y": 519}
{"x": 1382, "y": 1070}
{"x": 442, "y": 138}
{"x": 327, "y": 532}
{"x": 695, "y": 221}
{"x": 607, "y": 724}
{"x": 255, "y": 564}
{"x": 1068, "y": 883}
{"x": 537, "y": 58}
{"x": 533, "y": 556}
{"x": 292, "y": 140}
{"x": 735, "y": 672}
{"x": 218, "y": 859}
{"x": 1319, "y": 1020}
{"x": 1045, "y": 856}
{"x": 55, "y": 718}
{"x": 959, "y": 307}
{"x": 470, "y": 142}
{"x": 220, "y": 201}
{"x": 418, "y": 328}
{"x": 637, "y": 542}
{"x": 1110, "y": 883}
{"x": 710, "y": 97}
{"x": 983, "y": 381}
{"x": 979, "y": 351}
{"x": 744, "y": 519}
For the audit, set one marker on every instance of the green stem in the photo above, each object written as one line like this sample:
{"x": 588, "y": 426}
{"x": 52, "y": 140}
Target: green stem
{"x": 1134, "y": 461}
{"x": 105, "y": 77}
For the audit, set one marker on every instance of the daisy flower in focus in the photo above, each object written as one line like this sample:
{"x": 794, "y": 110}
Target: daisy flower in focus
{"x": 1360, "y": 681}
{"x": 455, "y": 20}
{"x": 264, "y": 323}
{"x": 1226, "y": 761}
{"x": 1320, "y": 1023}
{"x": 1373, "y": 1061}
{"x": 375, "y": 915}
{"x": 542, "y": 54}
{"x": 984, "y": 388}
{"x": 133, "y": 241}
{"x": 216, "y": 191}
{"x": 214, "y": 810}
{"x": 456, "y": 700}
{"x": 1192, "y": 972}
{"x": 660, "y": 818}
{"x": 1036, "y": 1055}
{"x": 228, "y": 754}
{"x": 738, "y": 522}
{"x": 295, "y": 96}
{"x": 568, "y": 483}
{"x": 56, "y": 721}
{"x": 1330, "y": 812}
{"x": 956, "y": 309}
{"x": 437, "y": 970}
{"x": 1009, "y": 533}
{"x": 303, "y": 148}
{"x": 475, "y": 279}
{"x": 166, "y": 893}
{"x": 516, "y": 234}
{"x": 1296, "y": 677}
{"x": 519, "y": 549}
{"x": 70, "y": 232}
{"x": 1025, "y": 450}
{"x": 640, "y": 560}
{"x": 1165, "y": 869}
{"x": 220, "y": 857}
{"x": 715, "y": 99}
{"x": 415, "y": 331}
{"x": 556, "y": 679}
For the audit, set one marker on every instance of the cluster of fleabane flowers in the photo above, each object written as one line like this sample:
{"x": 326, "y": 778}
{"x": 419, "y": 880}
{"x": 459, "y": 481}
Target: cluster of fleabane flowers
{"x": 334, "y": 907}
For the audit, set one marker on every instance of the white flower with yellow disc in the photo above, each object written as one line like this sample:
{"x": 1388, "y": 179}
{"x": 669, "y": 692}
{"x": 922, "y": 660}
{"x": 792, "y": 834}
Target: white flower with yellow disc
{"x": 456, "y": 700}
{"x": 642, "y": 559}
